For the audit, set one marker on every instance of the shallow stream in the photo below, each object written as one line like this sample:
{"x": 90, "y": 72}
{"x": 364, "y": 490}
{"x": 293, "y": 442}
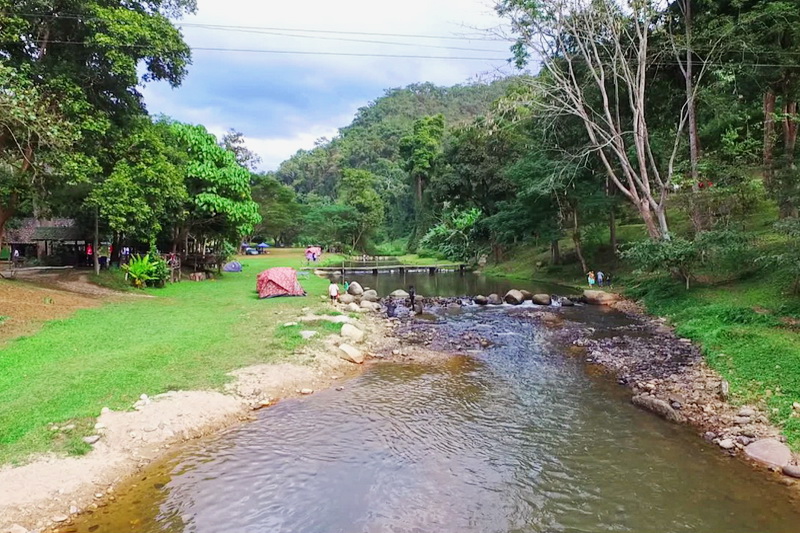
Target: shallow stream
{"x": 514, "y": 438}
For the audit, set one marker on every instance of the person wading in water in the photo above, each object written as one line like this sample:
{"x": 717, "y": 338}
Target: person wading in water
{"x": 412, "y": 294}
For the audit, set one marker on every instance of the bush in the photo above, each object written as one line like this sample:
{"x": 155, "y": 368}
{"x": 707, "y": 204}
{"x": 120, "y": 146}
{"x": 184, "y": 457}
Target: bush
{"x": 147, "y": 270}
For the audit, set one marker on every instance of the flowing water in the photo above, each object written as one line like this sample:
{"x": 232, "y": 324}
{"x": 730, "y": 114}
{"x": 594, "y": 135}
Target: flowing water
{"x": 515, "y": 438}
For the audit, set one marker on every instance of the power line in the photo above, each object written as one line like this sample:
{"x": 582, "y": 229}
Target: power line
{"x": 298, "y": 52}
{"x": 345, "y": 39}
{"x": 75, "y": 16}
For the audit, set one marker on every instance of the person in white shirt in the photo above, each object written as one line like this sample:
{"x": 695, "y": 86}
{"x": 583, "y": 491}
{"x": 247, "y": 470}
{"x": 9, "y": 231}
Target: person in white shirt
{"x": 333, "y": 291}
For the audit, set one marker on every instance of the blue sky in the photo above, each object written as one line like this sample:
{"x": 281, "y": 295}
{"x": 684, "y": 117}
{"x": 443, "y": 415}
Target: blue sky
{"x": 284, "y": 102}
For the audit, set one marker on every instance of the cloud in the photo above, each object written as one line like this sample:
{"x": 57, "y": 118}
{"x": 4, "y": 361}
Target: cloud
{"x": 283, "y": 102}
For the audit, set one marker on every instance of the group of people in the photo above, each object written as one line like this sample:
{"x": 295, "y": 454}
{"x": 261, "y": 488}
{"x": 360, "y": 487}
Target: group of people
{"x": 333, "y": 290}
{"x": 598, "y": 278}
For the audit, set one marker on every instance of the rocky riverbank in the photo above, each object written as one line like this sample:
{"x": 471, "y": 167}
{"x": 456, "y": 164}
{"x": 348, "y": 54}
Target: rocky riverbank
{"x": 669, "y": 377}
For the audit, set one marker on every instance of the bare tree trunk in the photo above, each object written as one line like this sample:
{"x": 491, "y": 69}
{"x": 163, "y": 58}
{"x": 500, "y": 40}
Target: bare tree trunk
{"x": 555, "y": 252}
{"x": 96, "y": 244}
{"x": 612, "y": 230}
{"x": 788, "y": 208}
{"x": 576, "y": 239}
{"x": 769, "y": 136}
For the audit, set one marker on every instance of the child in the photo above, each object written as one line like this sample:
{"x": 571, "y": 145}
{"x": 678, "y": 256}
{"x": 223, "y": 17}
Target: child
{"x": 590, "y": 277}
{"x": 333, "y": 291}
{"x": 346, "y": 285}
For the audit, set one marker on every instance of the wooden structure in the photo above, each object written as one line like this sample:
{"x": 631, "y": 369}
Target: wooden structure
{"x": 432, "y": 269}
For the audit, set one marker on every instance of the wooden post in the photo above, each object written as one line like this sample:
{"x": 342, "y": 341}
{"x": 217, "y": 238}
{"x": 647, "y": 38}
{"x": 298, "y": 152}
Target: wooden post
{"x": 431, "y": 271}
{"x": 374, "y": 271}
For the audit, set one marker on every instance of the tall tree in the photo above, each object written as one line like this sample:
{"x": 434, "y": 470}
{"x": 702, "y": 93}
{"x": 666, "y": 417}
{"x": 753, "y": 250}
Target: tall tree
{"x": 357, "y": 191}
{"x": 595, "y": 59}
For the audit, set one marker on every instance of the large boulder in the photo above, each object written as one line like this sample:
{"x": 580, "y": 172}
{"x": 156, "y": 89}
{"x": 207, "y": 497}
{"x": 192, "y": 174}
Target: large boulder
{"x": 600, "y": 297}
{"x": 481, "y": 299}
{"x": 399, "y": 293}
{"x": 527, "y": 295}
{"x": 566, "y": 302}
{"x": 370, "y": 296}
{"x": 353, "y": 307}
{"x": 346, "y": 299}
{"x": 355, "y": 289}
{"x": 352, "y": 333}
{"x": 514, "y": 297}
{"x": 770, "y": 452}
{"x": 350, "y": 353}
{"x": 371, "y": 306}
{"x": 494, "y": 299}
{"x": 657, "y": 406}
{"x": 541, "y": 299}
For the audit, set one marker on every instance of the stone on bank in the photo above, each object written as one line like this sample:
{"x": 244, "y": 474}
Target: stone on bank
{"x": 351, "y": 354}
{"x": 514, "y": 297}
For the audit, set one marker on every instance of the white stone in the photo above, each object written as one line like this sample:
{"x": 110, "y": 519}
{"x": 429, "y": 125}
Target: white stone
{"x": 91, "y": 439}
{"x": 399, "y": 293}
{"x": 352, "y": 333}
{"x": 307, "y": 334}
{"x": 15, "y": 528}
{"x": 306, "y": 391}
{"x": 60, "y": 518}
{"x": 726, "y": 444}
{"x": 350, "y": 353}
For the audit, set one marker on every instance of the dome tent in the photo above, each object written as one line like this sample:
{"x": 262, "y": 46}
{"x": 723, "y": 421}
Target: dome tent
{"x": 280, "y": 281}
{"x": 233, "y": 266}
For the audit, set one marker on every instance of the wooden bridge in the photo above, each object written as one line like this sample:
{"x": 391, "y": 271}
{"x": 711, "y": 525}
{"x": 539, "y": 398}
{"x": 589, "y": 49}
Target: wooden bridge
{"x": 375, "y": 269}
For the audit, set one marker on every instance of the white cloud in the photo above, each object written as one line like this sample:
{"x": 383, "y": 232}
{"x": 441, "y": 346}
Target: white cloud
{"x": 288, "y": 101}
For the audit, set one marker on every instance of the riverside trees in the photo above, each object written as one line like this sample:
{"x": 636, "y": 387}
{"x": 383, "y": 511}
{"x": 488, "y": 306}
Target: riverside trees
{"x": 76, "y": 140}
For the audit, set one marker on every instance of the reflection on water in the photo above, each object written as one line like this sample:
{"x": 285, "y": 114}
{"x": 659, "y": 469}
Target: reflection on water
{"x": 451, "y": 284}
{"x": 516, "y": 439}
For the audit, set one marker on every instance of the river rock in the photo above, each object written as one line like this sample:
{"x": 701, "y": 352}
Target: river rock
{"x": 514, "y": 297}
{"x": 346, "y": 299}
{"x": 370, "y": 306}
{"x": 91, "y": 439}
{"x": 541, "y": 299}
{"x": 352, "y": 333}
{"x": 600, "y": 297}
{"x": 399, "y": 293}
{"x": 566, "y": 302}
{"x": 14, "y": 528}
{"x": 370, "y": 296}
{"x": 791, "y": 470}
{"x": 60, "y": 518}
{"x": 726, "y": 444}
{"x": 481, "y": 300}
{"x": 747, "y": 411}
{"x": 770, "y": 452}
{"x": 350, "y": 353}
{"x": 526, "y": 295}
{"x": 657, "y": 406}
{"x": 355, "y": 289}
{"x": 307, "y": 334}
{"x": 353, "y": 307}
{"x": 494, "y": 299}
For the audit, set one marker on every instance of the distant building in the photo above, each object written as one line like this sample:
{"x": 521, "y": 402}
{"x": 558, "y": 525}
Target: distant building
{"x": 57, "y": 238}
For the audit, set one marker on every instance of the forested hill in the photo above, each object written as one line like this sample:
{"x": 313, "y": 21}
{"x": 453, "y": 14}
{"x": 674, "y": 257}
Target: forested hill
{"x": 372, "y": 143}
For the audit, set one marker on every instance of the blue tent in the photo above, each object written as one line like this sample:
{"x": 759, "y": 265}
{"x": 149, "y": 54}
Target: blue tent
{"x": 263, "y": 245}
{"x": 233, "y": 266}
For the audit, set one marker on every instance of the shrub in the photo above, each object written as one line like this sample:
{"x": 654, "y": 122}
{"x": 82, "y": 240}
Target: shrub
{"x": 139, "y": 270}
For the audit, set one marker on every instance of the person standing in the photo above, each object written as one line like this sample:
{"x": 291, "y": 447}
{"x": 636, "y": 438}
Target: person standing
{"x": 15, "y": 260}
{"x": 600, "y": 278}
{"x": 412, "y": 293}
{"x": 590, "y": 278}
{"x": 346, "y": 285}
{"x": 333, "y": 292}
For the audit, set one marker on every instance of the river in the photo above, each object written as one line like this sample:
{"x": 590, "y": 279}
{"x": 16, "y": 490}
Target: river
{"x": 514, "y": 438}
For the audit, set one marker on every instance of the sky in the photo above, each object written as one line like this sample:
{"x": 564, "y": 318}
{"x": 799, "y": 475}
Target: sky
{"x": 285, "y": 102}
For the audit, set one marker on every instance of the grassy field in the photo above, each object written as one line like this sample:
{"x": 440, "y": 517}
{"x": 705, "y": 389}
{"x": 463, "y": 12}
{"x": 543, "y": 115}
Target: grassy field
{"x": 188, "y": 336}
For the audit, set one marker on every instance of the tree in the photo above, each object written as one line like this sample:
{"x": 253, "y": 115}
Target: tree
{"x": 235, "y": 142}
{"x": 278, "y": 207}
{"x": 219, "y": 203}
{"x": 595, "y": 58}
{"x": 357, "y": 191}
{"x": 34, "y": 141}
{"x": 330, "y": 225}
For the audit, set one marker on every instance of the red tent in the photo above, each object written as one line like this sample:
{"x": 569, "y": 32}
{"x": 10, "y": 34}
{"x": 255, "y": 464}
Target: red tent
{"x": 281, "y": 281}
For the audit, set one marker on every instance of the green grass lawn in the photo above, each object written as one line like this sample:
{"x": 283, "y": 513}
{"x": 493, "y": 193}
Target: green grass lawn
{"x": 188, "y": 336}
